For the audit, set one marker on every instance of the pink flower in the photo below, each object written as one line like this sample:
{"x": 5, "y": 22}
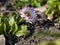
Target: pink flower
{"x": 28, "y": 14}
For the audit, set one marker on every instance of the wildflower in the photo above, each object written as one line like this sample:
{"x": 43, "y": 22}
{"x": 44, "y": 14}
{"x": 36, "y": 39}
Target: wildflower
{"x": 28, "y": 14}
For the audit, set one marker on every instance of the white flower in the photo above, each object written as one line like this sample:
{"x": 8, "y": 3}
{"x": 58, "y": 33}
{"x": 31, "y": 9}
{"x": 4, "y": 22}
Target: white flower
{"x": 28, "y": 14}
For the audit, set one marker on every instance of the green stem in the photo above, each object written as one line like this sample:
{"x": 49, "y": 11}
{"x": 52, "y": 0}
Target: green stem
{"x": 16, "y": 28}
{"x": 5, "y": 29}
{"x": 10, "y": 30}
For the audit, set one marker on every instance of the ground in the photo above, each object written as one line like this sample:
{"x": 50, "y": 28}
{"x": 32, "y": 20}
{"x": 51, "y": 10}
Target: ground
{"x": 43, "y": 30}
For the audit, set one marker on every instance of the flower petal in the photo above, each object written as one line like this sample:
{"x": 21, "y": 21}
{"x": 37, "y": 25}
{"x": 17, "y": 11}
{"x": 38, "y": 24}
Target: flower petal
{"x": 32, "y": 18}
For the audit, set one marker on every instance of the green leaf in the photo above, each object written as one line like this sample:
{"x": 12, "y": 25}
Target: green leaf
{"x": 52, "y": 3}
{"x": 5, "y": 28}
{"x": 59, "y": 7}
{"x": 50, "y": 11}
{"x": 2, "y": 28}
{"x": 16, "y": 28}
{"x": 11, "y": 20}
{"x": 23, "y": 31}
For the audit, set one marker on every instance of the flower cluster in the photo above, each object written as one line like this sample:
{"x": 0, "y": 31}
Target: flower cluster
{"x": 28, "y": 14}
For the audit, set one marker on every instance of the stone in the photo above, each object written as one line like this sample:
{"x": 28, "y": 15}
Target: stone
{"x": 50, "y": 17}
{"x": 3, "y": 8}
{"x": 2, "y": 40}
{"x": 12, "y": 1}
{"x": 42, "y": 9}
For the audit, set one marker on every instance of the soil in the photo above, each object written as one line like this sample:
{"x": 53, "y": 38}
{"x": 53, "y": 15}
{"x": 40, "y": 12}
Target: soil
{"x": 41, "y": 27}
{"x": 34, "y": 39}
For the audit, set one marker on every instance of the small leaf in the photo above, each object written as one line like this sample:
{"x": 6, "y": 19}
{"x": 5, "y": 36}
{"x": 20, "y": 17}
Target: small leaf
{"x": 11, "y": 20}
{"x": 23, "y": 31}
{"x": 5, "y": 28}
{"x": 59, "y": 7}
{"x": 50, "y": 12}
{"x": 52, "y": 3}
{"x": 16, "y": 28}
